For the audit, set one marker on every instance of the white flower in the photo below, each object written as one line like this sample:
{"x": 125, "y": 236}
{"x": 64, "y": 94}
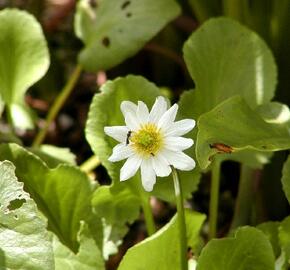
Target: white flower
{"x": 151, "y": 141}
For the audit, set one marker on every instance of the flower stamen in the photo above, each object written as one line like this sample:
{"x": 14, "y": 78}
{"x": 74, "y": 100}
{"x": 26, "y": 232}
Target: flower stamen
{"x": 147, "y": 140}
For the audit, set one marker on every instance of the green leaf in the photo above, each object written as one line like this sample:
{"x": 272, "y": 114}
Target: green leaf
{"x": 275, "y": 113}
{"x": 62, "y": 194}
{"x": 286, "y": 178}
{"x": 116, "y": 206}
{"x": 225, "y": 59}
{"x": 248, "y": 250}
{"x": 24, "y": 60}
{"x": 270, "y": 229}
{"x": 159, "y": 251}
{"x": 53, "y": 155}
{"x": 234, "y": 124}
{"x": 284, "y": 237}
{"x": 24, "y": 241}
{"x": 88, "y": 257}
{"x": 115, "y": 30}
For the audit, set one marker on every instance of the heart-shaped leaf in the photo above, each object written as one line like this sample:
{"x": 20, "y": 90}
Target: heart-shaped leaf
{"x": 24, "y": 241}
{"x": 114, "y": 30}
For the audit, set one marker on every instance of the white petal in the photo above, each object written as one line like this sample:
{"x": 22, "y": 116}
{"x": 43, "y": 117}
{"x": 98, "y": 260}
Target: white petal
{"x": 142, "y": 112}
{"x": 119, "y": 133}
{"x": 158, "y": 109}
{"x": 181, "y": 127}
{"x": 179, "y": 160}
{"x": 177, "y": 143}
{"x": 148, "y": 175}
{"x": 160, "y": 165}
{"x": 120, "y": 152}
{"x": 167, "y": 118}
{"x": 128, "y": 107}
{"x": 130, "y": 167}
{"x": 132, "y": 121}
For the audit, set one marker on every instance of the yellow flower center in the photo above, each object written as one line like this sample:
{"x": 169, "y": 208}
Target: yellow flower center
{"x": 147, "y": 140}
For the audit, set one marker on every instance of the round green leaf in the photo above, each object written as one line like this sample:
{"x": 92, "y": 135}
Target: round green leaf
{"x": 24, "y": 58}
{"x": 114, "y": 30}
{"x": 24, "y": 241}
{"x": 248, "y": 250}
{"x": 225, "y": 59}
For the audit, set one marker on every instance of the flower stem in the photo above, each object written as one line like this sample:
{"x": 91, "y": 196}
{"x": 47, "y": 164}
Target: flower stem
{"x": 60, "y": 100}
{"x": 214, "y": 198}
{"x": 149, "y": 220}
{"x": 245, "y": 199}
{"x": 181, "y": 220}
{"x": 90, "y": 164}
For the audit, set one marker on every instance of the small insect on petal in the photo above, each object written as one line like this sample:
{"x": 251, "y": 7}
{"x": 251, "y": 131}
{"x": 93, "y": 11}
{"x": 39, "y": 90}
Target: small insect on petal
{"x": 221, "y": 148}
{"x": 128, "y": 137}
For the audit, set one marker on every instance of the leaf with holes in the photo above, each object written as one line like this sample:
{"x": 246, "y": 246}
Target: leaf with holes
{"x": 62, "y": 194}
{"x": 248, "y": 250}
{"x": 24, "y": 60}
{"x": 24, "y": 241}
{"x": 114, "y": 30}
{"x": 233, "y": 126}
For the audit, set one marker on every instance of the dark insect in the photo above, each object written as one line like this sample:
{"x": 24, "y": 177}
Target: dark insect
{"x": 128, "y": 137}
{"x": 222, "y": 148}
{"x": 152, "y": 154}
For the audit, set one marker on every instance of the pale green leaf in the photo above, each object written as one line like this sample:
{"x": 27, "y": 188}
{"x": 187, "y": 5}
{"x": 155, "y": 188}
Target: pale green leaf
{"x": 234, "y": 124}
{"x": 24, "y": 241}
{"x": 88, "y": 257}
{"x": 248, "y": 250}
{"x": 114, "y": 30}
{"x": 160, "y": 251}
{"x": 24, "y": 60}
{"x": 62, "y": 194}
